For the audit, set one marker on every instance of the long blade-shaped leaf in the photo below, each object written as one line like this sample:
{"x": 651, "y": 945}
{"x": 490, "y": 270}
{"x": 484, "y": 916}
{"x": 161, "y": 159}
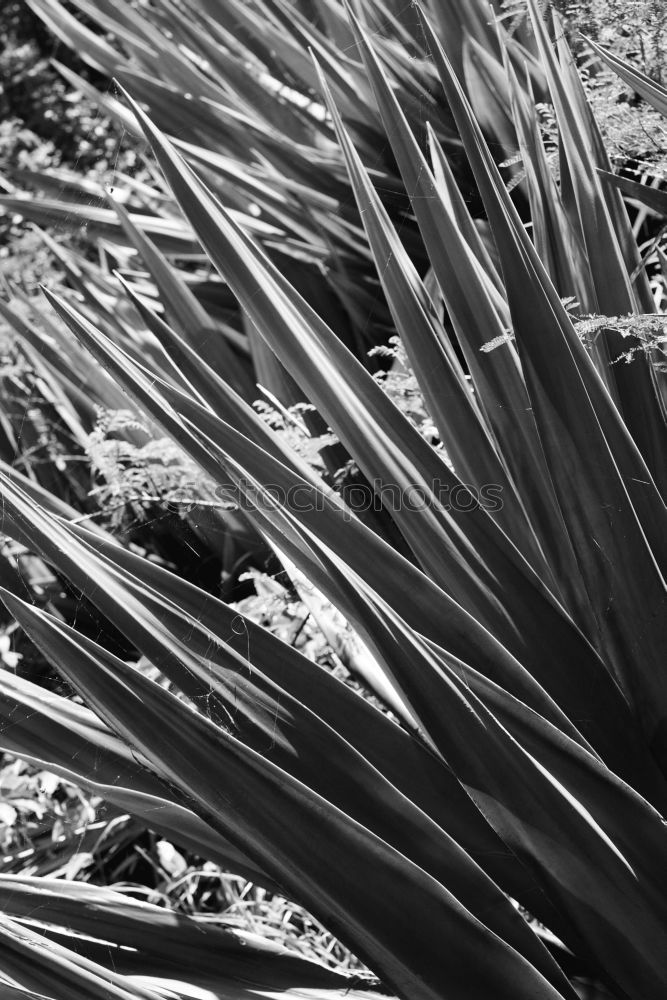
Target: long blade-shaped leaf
{"x": 322, "y": 514}
{"x": 586, "y": 477}
{"x": 237, "y": 791}
{"x": 650, "y": 90}
{"x": 189, "y": 317}
{"x": 161, "y": 942}
{"x": 48, "y": 969}
{"x": 280, "y": 312}
{"x": 496, "y": 374}
{"x": 633, "y": 386}
{"x": 55, "y": 734}
{"x": 446, "y": 391}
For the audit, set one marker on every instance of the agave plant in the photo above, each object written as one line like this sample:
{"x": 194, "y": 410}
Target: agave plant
{"x": 514, "y": 613}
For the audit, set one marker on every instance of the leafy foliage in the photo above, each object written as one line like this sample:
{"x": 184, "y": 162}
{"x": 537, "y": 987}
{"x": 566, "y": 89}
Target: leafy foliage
{"x": 489, "y": 821}
{"x": 636, "y": 31}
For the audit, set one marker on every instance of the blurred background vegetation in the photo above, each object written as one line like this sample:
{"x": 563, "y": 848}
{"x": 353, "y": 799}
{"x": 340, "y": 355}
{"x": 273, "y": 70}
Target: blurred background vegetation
{"x": 45, "y": 124}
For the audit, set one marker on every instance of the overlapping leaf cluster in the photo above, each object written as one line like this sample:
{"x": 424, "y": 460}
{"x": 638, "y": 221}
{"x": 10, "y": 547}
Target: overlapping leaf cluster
{"x": 318, "y": 155}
